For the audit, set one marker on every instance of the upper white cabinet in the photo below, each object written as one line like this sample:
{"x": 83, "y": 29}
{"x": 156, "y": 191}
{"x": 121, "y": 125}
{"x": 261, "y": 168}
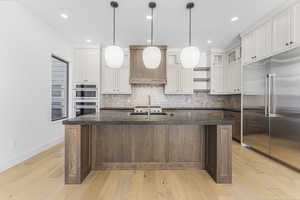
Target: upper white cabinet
{"x": 86, "y": 65}
{"x": 256, "y": 45}
{"x": 263, "y": 41}
{"x": 225, "y": 71}
{"x": 248, "y": 46}
{"x": 277, "y": 33}
{"x": 216, "y": 63}
{"x": 179, "y": 80}
{"x": 217, "y": 80}
{"x": 296, "y": 25}
{"x": 282, "y": 31}
{"x": 115, "y": 81}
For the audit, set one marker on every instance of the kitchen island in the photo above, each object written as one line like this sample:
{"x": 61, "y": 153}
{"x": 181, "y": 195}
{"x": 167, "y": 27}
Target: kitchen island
{"x": 121, "y": 140}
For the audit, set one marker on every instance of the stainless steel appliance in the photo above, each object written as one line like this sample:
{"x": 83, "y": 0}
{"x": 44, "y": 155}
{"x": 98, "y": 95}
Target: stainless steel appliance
{"x": 85, "y": 108}
{"x": 85, "y": 91}
{"x": 271, "y": 107}
{"x": 85, "y": 99}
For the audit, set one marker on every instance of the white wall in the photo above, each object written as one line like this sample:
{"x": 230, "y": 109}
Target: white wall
{"x": 26, "y": 45}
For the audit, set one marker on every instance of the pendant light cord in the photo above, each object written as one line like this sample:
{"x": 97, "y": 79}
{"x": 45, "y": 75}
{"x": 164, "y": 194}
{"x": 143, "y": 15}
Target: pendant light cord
{"x": 114, "y": 27}
{"x": 152, "y": 27}
{"x": 190, "y": 28}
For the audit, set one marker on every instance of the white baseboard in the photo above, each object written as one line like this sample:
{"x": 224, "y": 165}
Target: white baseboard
{"x": 24, "y": 156}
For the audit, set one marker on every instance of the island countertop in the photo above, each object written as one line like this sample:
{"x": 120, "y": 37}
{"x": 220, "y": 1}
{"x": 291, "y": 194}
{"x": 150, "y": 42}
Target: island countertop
{"x": 200, "y": 117}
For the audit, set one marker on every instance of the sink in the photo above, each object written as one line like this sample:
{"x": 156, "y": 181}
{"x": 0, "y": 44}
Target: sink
{"x": 145, "y": 113}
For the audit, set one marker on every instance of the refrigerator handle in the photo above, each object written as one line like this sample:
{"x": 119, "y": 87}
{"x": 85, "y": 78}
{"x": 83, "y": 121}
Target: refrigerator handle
{"x": 267, "y": 94}
{"x": 272, "y": 109}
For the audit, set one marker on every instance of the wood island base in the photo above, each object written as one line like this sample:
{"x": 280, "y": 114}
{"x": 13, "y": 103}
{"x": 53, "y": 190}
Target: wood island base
{"x": 148, "y": 147}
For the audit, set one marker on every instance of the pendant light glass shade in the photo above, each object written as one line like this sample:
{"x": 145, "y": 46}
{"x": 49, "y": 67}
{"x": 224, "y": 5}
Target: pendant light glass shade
{"x": 114, "y": 56}
{"x": 190, "y": 57}
{"x": 152, "y": 57}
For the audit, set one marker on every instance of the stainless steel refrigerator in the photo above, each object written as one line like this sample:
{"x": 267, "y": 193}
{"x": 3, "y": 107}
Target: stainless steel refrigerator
{"x": 271, "y": 107}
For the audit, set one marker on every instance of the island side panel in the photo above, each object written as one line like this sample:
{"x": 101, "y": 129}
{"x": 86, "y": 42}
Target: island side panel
{"x": 187, "y": 144}
{"x": 77, "y": 153}
{"x": 219, "y": 153}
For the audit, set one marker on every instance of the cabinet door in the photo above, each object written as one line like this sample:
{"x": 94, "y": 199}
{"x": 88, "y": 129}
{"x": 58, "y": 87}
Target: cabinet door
{"x": 203, "y": 60}
{"x": 281, "y": 32}
{"x": 186, "y": 81}
{"x": 217, "y": 80}
{"x": 87, "y": 65}
{"x": 92, "y": 65}
{"x": 172, "y": 86}
{"x": 263, "y": 41}
{"x": 236, "y": 77}
{"x": 248, "y": 48}
{"x": 295, "y": 36}
{"x": 108, "y": 80}
{"x": 122, "y": 80}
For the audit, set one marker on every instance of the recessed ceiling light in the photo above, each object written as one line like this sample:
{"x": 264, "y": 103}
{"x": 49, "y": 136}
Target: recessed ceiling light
{"x": 88, "y": 41}
{"x": 209, "y": 41}
{"x": 233, "y": 19}
{"x": 149, "y": 17}
{"x": 64, "y": 16}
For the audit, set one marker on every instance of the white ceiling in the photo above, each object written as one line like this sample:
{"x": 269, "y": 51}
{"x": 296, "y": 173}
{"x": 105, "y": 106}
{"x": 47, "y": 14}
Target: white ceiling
{"x": 92, "y": 19}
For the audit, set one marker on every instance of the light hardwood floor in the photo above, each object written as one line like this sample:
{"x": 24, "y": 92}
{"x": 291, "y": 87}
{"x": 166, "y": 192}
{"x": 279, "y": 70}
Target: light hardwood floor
{"x": 254, "y": 178}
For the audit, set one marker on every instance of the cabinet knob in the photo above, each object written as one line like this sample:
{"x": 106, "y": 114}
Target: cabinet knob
{"x": 291, "y": 42}
{"x": 286, "y": 44}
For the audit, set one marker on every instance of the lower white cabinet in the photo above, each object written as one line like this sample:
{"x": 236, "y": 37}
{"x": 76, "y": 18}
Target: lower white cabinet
{"x": 115, "y": 81}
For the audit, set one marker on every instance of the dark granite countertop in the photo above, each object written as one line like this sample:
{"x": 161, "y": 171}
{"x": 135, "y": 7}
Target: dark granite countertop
{"x": 201, "y": 117}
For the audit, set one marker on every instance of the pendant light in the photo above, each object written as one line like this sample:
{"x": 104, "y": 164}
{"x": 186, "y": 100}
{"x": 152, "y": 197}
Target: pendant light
{"x": 190, "y": 55}
{"x": 152, "y": 54}
{"x": 114, "y": 55}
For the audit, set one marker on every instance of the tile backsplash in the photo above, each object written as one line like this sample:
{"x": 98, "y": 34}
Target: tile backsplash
{"x": 140, "y": 94}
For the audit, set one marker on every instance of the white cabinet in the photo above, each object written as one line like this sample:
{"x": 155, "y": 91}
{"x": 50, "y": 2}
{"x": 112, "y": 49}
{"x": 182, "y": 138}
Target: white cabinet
{"x": 179, "y": 80}
{"x": 232, "y": 78}
{"x": 116, "y": 81}
{"x": 108, "y": 80}
{"x": 217, "y": 80}
{"x": 216, "y": 60}
{"x": 263, "y": 41}
{"x": 86, "y": 65}
{"x": 296, "y": 25}
{"x": 282, "y": 31}
{"x": 248, "y": 47}
{"x": 286, "y": 29}
{"x": 225, "y": 72}
{"x": 186, "y": 81}
{"x": 256, "y": 45}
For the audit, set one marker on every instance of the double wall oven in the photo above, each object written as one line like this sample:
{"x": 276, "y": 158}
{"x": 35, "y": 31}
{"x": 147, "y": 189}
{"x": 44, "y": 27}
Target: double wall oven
{"x": 85, "y": 98}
